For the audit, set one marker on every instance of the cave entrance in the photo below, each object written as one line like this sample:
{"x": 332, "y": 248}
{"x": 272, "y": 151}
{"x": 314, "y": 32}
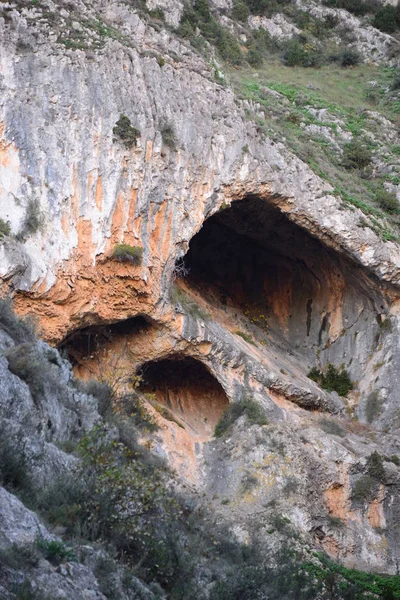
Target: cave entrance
{"x": 181, "y": 389}
{"x": 91, "y": 349}
{"x": 282, "y": 279}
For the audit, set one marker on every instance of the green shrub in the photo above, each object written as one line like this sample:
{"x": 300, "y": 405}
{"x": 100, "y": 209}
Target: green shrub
{"x": 168, "y": 135}
{"x": 188, "y": 304}
{"x": 333, "y": 380}
{"x": 363, "y": 488}
{"x": 349, "y": 58}
{"x": 199, "y": 17}
{"x": 356, "y": 155}
{"x": 375, "y": 466}
{"x": 33, "y": 220}
{"x": 14, "y": 466}
{"x": 20, "y": 330}
{"x": 246, "y": 336}
{"x": 266, "y": 7}
{"x": 387, "y": 19}
{"x": 254, "y": 57}
{"x": 101, "y": 391}
{"x": 34, "y": 367}
{"x": 246, "y": 407}
{"x": 240, "y": 11}
{"x": 395, "y": 85}
{"x": 19, "y": 557}
{"x": 387, "y": 201}
{"x": 5, "y": 228}
{"x": 125, "y": 132}
{"x": 127, "y": 253}
{"x": 54, "y": 551}
{"x": 394, "y": 459}
{"x": 357, "y": 7}
{"x": 373, "y": 406}
{"x": 296, "y": 54}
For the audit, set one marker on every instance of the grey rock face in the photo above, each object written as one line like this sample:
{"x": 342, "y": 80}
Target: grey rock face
{"x": 59, "y": 157}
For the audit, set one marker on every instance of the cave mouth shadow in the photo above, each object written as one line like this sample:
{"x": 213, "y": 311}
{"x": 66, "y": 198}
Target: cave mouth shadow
{"x": 182, "y": 389}
{"x": 84, "y": 343}
{"x": 255, "y": 259}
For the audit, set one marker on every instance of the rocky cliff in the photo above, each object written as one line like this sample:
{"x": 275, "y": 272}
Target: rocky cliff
{"x": 183, "y": 227}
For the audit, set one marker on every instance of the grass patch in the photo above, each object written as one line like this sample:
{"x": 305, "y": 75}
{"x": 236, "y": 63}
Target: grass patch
{"x": 128, "y": 254}
{"x": 54, "y": 551}
{"x": 189, "y": 306}
{"x": 245, "y": 336}
{"x": 5, "y": 228}
{"x": 346, "y": 96}
{"x": 246, "y": 407}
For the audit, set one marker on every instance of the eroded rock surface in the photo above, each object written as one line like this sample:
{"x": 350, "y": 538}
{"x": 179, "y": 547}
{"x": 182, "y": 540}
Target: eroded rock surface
{"x": 253, "y": 268}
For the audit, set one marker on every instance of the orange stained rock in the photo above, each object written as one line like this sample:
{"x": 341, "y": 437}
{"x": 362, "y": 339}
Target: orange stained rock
{"x": 99, "y": 192}
{"x": 331, "y": 546}
{"x": 375, "y": 513}
{"x": 337, "y": 501}
{"x": 149, "y": 151}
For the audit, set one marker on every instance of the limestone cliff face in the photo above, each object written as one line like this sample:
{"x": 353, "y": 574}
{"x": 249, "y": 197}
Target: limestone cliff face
{"x": 327, "y": 285}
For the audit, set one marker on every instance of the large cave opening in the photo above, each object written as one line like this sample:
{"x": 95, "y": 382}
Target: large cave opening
{"x": 183, "y": 390}
{"x": 279, "y": 276}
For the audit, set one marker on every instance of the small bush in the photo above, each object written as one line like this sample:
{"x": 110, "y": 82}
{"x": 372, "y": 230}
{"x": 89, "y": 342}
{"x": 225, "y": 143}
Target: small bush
{"x": 240, "y": 11}
{"x": 373, "y": 406}
{"x": 387, "y": 19}
{"x": 168, "y": 135}
{"x": 199, "y": 17}
{"x": 127, "y": 253}
{"x": 5, "y": 228}
{"x": 188, "y": 304}
{"x": 396, "y": 81}
{"x": 387, "y": 201}
{"x": 394, "y": 459}
{"x": 375, "y": 466}
{"x": 33, "y": 220}
{"x": 333, "y": 380}
{"x": 356, "y": 155}
{"x": 335, "y": 522}
{"x": 125, "y": 132}
{"x": 349, "y": 58}
{"x": 19, "y": 557}
{"x": 247, "y": 407}
{"x": 296, "y": 54}
{"x": 357, "y": 7}
{"x": 245, "y": 336}
{"x": 33, "y": 367}
{"x": 20, "y": 330}
{"x": 14, "y": 467}
{"x": 362, "y": 490}
{"x": 254, "y": 58}
{"x": 100, "y": 390}
{"x": 54, "y": 551}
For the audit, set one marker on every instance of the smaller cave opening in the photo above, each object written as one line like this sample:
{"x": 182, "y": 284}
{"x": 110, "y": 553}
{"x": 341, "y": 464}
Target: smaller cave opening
{"x": 183, "y": 390}
{"x": 84, "y": 343}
